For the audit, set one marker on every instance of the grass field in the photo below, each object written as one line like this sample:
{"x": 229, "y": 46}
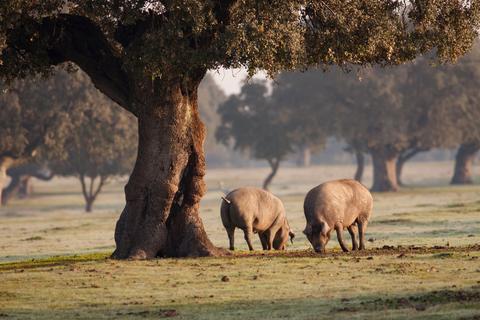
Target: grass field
{"x": 422, "y": 260}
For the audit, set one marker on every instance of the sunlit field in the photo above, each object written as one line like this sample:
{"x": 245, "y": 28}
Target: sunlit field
{"x": 422, "y": 259}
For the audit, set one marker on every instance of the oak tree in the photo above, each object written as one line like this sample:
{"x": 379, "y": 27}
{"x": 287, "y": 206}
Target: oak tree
{"x": 255, "y": 126}
{"x": 100, "y": 143}
{"x": 33, "y": 114}
{"x": 150, "y": 56}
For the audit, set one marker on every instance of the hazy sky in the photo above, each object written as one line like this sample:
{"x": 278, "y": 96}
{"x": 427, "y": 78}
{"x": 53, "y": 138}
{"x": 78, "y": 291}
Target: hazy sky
{"x": 230, "y": 80}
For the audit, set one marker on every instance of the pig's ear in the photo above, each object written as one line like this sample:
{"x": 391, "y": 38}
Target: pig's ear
{"x": 292, "y": 236}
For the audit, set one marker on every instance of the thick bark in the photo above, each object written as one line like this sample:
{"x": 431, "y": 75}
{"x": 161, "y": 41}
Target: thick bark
{"x": 402, "y": 159}
{"x": 274, "y": 164}
{"x": 161, "y": 216}
{"x": 463, "y": 163}
{"x": 384, "y": 173}
{"x": 360, "y": 157}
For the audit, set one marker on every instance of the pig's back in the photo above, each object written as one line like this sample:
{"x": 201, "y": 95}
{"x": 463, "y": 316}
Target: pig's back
{"x": 254, "y": 206}
{"x": 337, "y": 201}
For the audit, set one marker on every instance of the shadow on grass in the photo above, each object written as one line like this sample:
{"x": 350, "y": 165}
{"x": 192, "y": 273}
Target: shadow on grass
{"x": 444, "y": 303}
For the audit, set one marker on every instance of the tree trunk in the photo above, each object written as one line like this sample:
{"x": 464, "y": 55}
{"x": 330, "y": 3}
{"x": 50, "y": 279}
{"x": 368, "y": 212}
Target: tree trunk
{"x": 3, "y": 180}
{"x": 25, "y": 189}
{"x": 89, "y": 204}
{"x": 11, "y": 190}
{"x": 463, "y": 163}
{"x": 274, "y": 164}
{"x": 360, "y": 166}
{"x": 402, "y": 159}
{"x": 384, "y": 172}
{"x": 91, "y": 194}
{"x": 161, "y": 216}
{"x": 304, "y": 157}
{"x": 5, "y": 163}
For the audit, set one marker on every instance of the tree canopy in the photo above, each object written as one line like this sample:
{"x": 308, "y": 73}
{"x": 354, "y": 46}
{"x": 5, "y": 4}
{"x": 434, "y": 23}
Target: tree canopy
{"x": 268, "y": 127}
{"x": 390, "y": 112}
{"x": 110, "y": 40}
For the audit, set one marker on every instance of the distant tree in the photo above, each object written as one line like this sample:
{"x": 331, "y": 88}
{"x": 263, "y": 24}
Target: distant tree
{"x": 358, "y": 150}
{"x": 392, "y": 114}
{"x": 150, "y": 57}
{"x": 101, "y": 144}
{"x": 464, "y": 96}
{"x": 33, "y": 115}
{"x": 446, "y": 113}
{"x": 340, "y": 105}
{"x": 268, "y": 127}
{"x": 307, "y": 130}
{"x": 462, "y": 173}
{"x": 255, "y": 126}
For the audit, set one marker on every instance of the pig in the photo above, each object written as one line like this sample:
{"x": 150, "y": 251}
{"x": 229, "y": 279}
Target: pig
{"x": 339, "y": 204}
{"x": 255, "y": 210}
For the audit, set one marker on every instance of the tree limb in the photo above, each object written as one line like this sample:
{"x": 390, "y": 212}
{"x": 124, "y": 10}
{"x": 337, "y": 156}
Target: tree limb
{"x": 71, "y": 38}
{"x": 84, "y": 187}
{"x": 103, "y": 180}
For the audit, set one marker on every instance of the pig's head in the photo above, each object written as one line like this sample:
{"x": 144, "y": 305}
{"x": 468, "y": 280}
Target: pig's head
{"x": 318, "y": 234}
{"x": 281, "y": 237}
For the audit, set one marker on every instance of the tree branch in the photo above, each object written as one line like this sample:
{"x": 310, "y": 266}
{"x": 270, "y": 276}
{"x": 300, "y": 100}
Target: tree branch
{"x": 84, "y": 187}
{"x": 90, "y": 191}
{"x": 222, "y": 10}
{"x": 71, "y": 38}
{"x": 103, "y": 180}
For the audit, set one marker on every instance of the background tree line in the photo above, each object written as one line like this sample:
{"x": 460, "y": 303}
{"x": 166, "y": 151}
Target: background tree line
{"x": 391, "y": 114}
{"x": 62, "y": 126}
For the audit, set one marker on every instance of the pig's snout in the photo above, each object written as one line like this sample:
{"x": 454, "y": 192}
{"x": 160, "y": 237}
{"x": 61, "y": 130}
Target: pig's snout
{"x": 319, "y": 249}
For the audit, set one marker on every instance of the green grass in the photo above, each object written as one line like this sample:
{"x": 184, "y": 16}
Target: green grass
{"x": 302, "y": 286}
{"x": 423, "y": 260}
{"x": 53, "y": 261}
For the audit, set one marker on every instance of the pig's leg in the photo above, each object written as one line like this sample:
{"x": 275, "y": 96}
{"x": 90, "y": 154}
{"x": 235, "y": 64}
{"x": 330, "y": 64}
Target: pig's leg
{"x": 263, "y": 239}
{"x": 231, "y": 237}
{"x": 362, "y": 226}
{"x": 266, "y": 237}
{"x": 339, "y": 229}
{"x": 270, "y": 236}
{"x": 249, "y": 237}
{"x": 353, "y": 233}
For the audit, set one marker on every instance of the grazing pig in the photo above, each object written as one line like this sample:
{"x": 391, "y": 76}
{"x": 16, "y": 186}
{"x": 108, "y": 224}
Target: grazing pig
{"x": 256, "y": 210}
{"x": 339, "y": 205}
